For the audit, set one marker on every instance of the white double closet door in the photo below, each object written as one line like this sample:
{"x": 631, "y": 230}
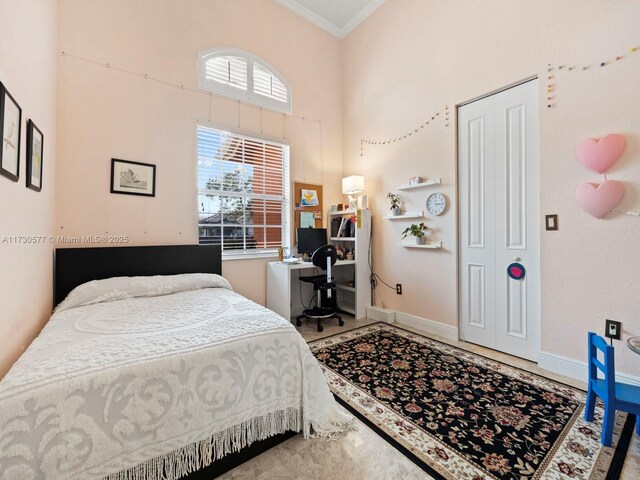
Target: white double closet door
{"x": 498, "y": 172}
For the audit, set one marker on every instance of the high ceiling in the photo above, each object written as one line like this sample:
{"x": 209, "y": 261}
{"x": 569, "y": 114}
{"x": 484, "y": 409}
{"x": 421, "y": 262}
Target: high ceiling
{"x": 338, "y": 17}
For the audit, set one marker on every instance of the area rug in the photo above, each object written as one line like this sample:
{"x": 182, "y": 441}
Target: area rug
{"x": 462, "y": 416}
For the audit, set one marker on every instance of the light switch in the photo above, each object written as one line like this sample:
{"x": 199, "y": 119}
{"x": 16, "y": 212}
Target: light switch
{"x": 551, "y": 222}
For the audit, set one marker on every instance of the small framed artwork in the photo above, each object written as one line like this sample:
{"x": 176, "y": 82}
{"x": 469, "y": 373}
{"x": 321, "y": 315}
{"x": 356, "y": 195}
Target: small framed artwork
{"x": 309, "y": 198}
{"x": 133, "y": 178}
{"x": 10, "y": 130}
{"x": 35, "y": 152}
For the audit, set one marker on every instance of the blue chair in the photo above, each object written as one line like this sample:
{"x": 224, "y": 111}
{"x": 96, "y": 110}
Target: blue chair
{"x": 616, "y": 396}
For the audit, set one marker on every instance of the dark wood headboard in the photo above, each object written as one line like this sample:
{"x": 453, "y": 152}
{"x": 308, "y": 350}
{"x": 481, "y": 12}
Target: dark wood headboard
{"x": 75, "y": 266}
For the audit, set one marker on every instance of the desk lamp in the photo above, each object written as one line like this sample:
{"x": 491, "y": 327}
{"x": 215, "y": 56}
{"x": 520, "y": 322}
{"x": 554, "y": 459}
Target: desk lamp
{"x": 351, "y": 186}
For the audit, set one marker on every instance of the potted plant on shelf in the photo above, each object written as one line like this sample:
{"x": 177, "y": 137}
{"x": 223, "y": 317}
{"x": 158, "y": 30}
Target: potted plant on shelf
{"x": 394, "y": 198}
{"x": 415, "y": 231}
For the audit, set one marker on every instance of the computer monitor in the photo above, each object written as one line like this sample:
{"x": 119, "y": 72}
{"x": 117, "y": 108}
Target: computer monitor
{"x": 310, "y": 239}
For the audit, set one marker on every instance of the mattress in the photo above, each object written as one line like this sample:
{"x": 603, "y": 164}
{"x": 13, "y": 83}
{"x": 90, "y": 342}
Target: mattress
{"x": 155, "y": 377}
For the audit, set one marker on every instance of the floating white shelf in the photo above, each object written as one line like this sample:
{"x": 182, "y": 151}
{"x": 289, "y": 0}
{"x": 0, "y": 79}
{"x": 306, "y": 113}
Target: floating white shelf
{"x": 343, "y": 212}
{"x": 343, "y": 239}
{"x": 428, "y": 183}
{"x": 434, "y": 245}
{"x": 404, "y": 216}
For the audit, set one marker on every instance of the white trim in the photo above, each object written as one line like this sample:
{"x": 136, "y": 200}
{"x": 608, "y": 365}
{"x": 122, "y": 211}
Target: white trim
{"x": 248, "y": 95}
{"x": 312, "y": 16}
{"x": 577, "y": 369}
{"x": 381, "y": 314}
{"x": 244, "y": 132}
{"x": 361, "y": 16}
{"x": 325, "y": 24}
{"x": 429, "y": 326}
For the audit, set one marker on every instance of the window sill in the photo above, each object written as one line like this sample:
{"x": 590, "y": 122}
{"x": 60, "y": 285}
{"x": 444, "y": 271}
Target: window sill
{"x": 255, "y": 256}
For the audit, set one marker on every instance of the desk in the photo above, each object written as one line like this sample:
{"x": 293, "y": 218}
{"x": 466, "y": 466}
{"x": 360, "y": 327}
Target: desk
{"x": 284, "y": 288}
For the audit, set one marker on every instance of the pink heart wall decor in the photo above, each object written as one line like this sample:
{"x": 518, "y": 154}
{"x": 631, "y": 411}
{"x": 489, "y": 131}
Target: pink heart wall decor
{"x": 599, "y": 200}
{"x": 599, "y": 155}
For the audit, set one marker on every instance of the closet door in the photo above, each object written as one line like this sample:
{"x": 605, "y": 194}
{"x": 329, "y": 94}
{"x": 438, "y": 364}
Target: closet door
{"x": 477, "y": 218}
{"x": 499, "y": 221}
{"x": 517, "y": 220}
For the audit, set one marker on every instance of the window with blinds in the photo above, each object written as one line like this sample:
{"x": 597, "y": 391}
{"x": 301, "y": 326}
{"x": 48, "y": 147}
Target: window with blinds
{"x": 228, "y": 70}
{"x": 243, "y": 76}
{"x": 243, "y": 185}
{"x": 267, "y": 84}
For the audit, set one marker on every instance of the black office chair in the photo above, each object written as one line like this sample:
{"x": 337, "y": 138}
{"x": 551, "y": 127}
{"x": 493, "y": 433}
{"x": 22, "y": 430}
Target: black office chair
{"x": 324, "y": 257}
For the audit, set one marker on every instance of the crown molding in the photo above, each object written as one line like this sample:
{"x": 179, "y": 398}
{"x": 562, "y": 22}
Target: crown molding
{"x": 325, "y": 24}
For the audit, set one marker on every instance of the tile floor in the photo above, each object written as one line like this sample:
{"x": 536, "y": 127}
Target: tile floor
{"x": 362, "y": 454}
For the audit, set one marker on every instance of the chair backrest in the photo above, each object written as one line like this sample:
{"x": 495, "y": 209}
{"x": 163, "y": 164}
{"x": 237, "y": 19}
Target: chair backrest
{"x": 608, "y": 368}
{"x": 320, "y": 256}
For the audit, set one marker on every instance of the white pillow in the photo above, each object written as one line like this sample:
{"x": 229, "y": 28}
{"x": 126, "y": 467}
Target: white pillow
{"x": 120, "y": 288}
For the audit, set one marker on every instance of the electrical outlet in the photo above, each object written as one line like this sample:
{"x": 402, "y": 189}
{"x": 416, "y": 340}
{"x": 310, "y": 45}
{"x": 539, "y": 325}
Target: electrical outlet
{"x": 399, "y": 288}
{"x": 612, "y": 329}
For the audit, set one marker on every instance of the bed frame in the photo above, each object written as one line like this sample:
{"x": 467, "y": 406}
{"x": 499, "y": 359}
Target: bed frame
{"x": 75, "y": 266}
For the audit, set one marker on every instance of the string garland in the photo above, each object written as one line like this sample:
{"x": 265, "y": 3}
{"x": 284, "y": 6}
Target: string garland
{"x": 210, "y": 112}
{"x": 400, "y": 138}
{"x": 552, "y": 71}
{"x": 551, "y": 94}
{"x": 146, "y": 76}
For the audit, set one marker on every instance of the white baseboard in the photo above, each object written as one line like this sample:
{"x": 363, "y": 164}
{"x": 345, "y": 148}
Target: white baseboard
{"x": 570, "y": 367}
{"x": 429, "y": 326}
{"x": 381, "y": 314}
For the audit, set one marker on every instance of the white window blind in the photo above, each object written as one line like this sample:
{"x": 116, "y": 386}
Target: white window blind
{"x": 244, "y": 76}
{"x": 265, "y": 83}
{"x": 242, "y": 192}
{"x": 228, "y": 70}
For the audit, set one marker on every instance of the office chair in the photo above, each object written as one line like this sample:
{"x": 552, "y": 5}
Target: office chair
{"x": 324, "y": 257}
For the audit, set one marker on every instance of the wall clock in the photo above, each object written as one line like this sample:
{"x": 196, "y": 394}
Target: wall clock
{"x": 436, "y": 203}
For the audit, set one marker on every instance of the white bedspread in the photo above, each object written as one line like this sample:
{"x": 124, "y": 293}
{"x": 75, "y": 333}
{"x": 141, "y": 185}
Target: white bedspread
{"x": 130, "y": 388}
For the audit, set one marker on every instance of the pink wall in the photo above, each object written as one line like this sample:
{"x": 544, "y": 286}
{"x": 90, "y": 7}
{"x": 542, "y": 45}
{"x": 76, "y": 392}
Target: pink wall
{"x": 411, "y": 57}
{"x": 405, "y": 62}
{"x": 105, "y": 113}
{"x": 28, "y": 70}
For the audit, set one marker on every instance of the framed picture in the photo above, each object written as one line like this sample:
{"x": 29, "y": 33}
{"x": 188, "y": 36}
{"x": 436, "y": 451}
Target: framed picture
{"x": 309, "y": 198}
{"x": 10, "y": 130}
{"x": 35, "y": 151}
{"x": 133, "y": 178}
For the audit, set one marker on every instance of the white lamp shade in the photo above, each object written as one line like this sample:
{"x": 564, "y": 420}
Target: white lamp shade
{"x": 353, "y": 184}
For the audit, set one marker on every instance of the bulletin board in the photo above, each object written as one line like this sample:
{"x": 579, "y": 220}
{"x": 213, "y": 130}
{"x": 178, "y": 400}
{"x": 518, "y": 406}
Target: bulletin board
{"x": 307, "y": 199}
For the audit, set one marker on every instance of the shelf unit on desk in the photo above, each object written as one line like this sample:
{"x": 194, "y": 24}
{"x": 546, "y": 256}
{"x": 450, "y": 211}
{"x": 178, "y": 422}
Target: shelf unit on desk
{"x": 352, "y": 283}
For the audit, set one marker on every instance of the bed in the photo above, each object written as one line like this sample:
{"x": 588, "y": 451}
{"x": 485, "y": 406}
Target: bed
{"x": 152, "y": 367}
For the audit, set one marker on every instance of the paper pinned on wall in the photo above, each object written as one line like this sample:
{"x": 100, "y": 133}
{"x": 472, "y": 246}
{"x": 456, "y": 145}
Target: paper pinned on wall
{"x": 306, "y": 220}
{"x": 309, "y": 198}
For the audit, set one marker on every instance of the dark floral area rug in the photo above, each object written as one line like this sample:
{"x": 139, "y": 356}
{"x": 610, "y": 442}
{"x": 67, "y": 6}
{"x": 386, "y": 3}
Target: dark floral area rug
{"x": 464, "y": 416}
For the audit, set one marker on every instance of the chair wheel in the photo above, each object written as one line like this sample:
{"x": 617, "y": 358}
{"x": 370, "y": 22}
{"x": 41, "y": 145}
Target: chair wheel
{"x": 341, "y": 322}
{"x": 298, "y": 323}
{"x": 320, "y": 328}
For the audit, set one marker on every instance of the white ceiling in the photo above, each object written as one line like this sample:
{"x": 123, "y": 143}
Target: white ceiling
{"x": 338, "y": 17}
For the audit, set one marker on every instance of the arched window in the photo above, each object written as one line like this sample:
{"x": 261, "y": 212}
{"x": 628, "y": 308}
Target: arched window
{"x": 244, "y": 76}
